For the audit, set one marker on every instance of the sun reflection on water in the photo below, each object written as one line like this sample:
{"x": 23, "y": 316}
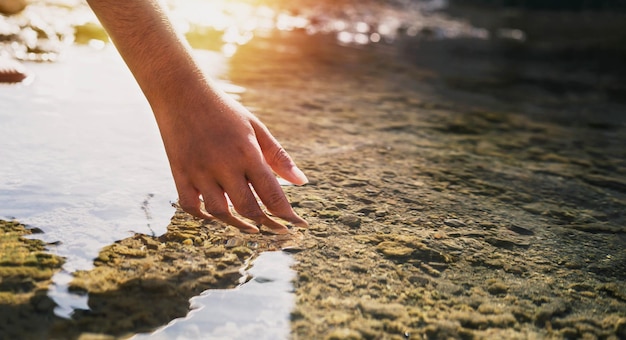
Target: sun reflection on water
{"x": 225, "y": 25}
{"x": 41, "y": 31}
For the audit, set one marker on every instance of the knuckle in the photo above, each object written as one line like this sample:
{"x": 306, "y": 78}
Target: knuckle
{"x": 216, "y": 207}
{"x": 275, "y": 200}
{"x": 281, "y": 156}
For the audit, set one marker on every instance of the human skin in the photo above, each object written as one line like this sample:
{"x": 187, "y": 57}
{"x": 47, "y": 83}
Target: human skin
{"x": 215, "y": 146}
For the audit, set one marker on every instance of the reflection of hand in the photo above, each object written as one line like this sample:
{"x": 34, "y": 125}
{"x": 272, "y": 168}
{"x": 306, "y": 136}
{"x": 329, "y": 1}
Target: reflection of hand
{"x": 216, "y": 146}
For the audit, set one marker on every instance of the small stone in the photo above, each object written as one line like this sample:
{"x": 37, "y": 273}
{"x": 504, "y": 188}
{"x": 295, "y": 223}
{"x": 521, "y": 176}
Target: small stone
{"x": 351, "y": 221}
{"x": 242, "y": 252}
{"x": 394, "y": 249}
{"x": 497, "y": 287}
{"x": 382, "y": 310}
{"x": 344, "y": 334}
{"x": 454, "y": 223}
{"x": 333, "y": 214}
{"x": 313, "y": 205}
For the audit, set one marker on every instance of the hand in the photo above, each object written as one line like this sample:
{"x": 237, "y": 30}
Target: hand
{"x": 215, "y": 147}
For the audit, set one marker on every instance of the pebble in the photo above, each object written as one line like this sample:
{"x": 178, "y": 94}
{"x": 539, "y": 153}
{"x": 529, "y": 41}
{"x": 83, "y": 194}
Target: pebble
{"x": 394, "y": 249}
{"x": 382, "y": 310}
{"x": 454, "y": 223}
{"x": 351, "y": 221}
{"x": 313, "y": 205}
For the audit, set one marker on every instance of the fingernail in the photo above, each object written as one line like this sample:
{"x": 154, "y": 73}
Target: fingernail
{"x": 297, "y": 173}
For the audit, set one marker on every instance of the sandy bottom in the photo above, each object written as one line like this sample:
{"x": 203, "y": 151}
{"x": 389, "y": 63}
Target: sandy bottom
{"x": 439, "y": 207}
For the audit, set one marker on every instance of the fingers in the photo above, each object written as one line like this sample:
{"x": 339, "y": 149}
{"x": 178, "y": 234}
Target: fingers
{"x": 276, "y": 157}
{"x": 189, "y": 201}
{"x": 234, "y": 176}
{"x": 271, "y": 194}
{"x": 215, "y": 203}
{"x": 244, "y": 202}
{"x": 246, "y": 205}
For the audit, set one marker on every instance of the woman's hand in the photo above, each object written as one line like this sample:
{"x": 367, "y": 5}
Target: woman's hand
{"x": 217, "y": 147}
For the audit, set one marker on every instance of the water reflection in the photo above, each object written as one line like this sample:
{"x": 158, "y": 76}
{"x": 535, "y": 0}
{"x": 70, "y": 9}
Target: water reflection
{"x": 260, "y": 309}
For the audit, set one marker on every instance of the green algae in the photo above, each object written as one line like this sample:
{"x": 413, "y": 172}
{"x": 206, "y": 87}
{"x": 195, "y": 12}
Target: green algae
{"x": 26, "y": 270}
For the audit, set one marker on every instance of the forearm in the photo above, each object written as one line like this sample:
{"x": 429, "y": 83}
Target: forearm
{"x": 157, "y": 56}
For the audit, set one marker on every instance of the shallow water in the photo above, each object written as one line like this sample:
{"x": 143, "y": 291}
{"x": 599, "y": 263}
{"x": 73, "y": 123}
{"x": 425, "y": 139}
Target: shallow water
{"x": 82, "y": 158}
{"x": 258, "y": 309}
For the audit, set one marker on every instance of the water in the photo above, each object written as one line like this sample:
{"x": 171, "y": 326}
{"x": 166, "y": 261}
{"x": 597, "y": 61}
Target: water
{"x": 259, "y": 309}
{"x": 82, "y": 157}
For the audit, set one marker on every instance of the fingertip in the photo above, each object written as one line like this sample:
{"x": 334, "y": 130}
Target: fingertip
{"x": 250, "y": 230}
{"x": 198, "y": 213}
{"x": 299, "y": 176}
{"x": 301, "y": 224}
{"x": 281, "y": 231}
{"x": 294, "y": 176}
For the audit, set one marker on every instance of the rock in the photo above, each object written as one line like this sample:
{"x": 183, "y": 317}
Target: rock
{"x": 351, "y": 221}
{"x": 550, "y": 310}
{"x": 454, "y": 223}
{"x": 507, "y": 242}
{"x": 394, "y": 249}
{"x": 313, "y": 205}
{"x": 344, "y": 334}
{"x": 382, "y": 310}
{"x": 497, "y": 287}
{"x": 10, "y": 7}
{"x": 520, "y": 230}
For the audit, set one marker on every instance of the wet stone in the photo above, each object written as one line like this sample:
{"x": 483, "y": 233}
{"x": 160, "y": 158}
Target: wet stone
{"x": 382, "y": 310}
{"x": 497, "y": 287}
{"x": 394, "y": 249}
{"x": 351, "y": 221}
{"x": 313, "y": 205}
{"x": 454, "y": 223}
